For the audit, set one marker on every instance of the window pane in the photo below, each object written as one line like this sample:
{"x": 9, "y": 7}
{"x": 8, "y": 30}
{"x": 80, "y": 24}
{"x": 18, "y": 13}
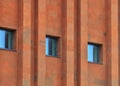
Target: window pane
{"x": 6, "y": 39}
{"x": 90, "y": 53}
{"x": 54, "y": 47}
{"x": 96, "y": 54}
{"x": 2, "y": 39}
{"x": 93, "y": 53}
{"x": 47, "y": 47}
{"x": 51, "y": 46}
{"x": 9, "y": 40}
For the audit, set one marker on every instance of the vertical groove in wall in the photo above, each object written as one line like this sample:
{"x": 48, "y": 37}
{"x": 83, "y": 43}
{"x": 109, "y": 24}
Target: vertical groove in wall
{"x": 20, "y": 43}
{"x": 119, "y": 38}
{"x": 76, "y": 43}
{"x": 35, "y": 43}
{"x": 108, "y": 72}
{"x": 63, "y": 42}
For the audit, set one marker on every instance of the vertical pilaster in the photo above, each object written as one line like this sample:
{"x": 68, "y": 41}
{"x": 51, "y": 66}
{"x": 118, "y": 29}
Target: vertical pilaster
{"x": 69, "y": 42}
{"x": 41, "y": 42}
{"x": 113, "y": 58}
{"x": 70, "y": 50}
{"x": 114, "y": 43}
{"x": 82, "y": 42}
{"x": 26, "y": 52}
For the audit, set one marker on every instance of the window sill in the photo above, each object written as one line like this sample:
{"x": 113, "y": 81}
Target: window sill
{"x": 95, "y": 63}
{"x": 13, "y": 50}
{"x": 52, "y": 56}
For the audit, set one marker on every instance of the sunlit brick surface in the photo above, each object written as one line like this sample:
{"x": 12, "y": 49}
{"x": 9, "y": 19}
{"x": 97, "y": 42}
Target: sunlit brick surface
{"x": 76, "y": 23}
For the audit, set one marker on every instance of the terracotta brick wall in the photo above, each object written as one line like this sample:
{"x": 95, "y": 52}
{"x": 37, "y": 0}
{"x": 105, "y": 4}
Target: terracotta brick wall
{"x": 75, "y": 22}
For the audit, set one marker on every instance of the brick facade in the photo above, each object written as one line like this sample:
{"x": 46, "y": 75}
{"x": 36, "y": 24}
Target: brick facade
{"x": 76, "y": 23}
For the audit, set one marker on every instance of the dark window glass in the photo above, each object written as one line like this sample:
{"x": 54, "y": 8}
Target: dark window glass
{"x": 51, "y": 46}
{"x": 93, "y": 53}
{"x": 6, "y": 39}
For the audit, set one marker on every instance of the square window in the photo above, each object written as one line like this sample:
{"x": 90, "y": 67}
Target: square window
{"x": 51, "y": 46}
{"x": 94, "y": 53}
{"x": 6, "y": 39}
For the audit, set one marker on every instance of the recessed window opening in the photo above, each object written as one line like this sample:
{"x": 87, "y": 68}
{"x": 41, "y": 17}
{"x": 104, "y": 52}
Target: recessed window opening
{"x": 51, "y": 46}
{"x": 94, "y": 52}
{"x": 6, "y": 39}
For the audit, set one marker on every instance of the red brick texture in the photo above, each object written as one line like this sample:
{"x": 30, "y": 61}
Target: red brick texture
{"x": 75, "y": 23}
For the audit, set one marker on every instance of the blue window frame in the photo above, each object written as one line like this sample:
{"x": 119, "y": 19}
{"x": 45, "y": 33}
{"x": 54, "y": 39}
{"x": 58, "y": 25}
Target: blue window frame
{"x": 51, "y": 46}
{"x": 6, "y": 39}
{"x": 94, "y": 53}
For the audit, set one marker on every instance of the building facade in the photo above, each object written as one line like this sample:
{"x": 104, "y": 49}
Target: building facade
{"x": 59, "y": 43}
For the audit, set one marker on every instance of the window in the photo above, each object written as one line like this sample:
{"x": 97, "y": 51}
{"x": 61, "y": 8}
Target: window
{"x": 6, "y": 39}
{"x": 94, "y": 53}
{"x": 51, "y": 46}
